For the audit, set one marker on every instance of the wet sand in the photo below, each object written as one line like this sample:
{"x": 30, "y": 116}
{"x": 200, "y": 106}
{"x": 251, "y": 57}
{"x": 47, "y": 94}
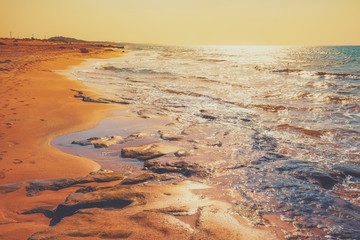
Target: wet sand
{"x": 38, "y": 105}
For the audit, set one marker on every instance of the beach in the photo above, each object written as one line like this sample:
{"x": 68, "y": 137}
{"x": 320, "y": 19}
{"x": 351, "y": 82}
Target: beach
{"x": 38, "y": 182}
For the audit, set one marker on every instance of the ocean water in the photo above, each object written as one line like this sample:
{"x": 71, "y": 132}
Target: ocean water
{"x": 278, "y": 126}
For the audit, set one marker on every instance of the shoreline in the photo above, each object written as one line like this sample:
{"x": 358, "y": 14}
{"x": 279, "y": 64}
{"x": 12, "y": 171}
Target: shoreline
{"x": 200, "y": 213}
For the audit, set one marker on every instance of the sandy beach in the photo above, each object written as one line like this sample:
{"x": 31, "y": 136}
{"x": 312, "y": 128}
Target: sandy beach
{"x": 37, "y": 105}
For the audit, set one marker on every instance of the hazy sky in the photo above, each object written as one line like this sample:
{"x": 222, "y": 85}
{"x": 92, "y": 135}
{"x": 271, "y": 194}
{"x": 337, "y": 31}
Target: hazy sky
{"x": 210, "y": 22}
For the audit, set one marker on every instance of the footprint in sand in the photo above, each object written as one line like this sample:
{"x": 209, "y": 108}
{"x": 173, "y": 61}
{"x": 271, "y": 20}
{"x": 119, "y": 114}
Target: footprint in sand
{"x": 17, "y": 161}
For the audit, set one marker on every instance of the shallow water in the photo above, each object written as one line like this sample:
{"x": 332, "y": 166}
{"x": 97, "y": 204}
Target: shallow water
{"x": 288, "y": 119}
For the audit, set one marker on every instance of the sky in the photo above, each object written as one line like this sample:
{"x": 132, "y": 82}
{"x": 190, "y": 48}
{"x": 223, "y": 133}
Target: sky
{"x": 187, "y": 22}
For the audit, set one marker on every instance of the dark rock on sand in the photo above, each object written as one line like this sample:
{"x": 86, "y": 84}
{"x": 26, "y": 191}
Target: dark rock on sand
{"x": 182, "y": 167}
{"x": 1, "y": 43}
{"x": 48, "y": 211}
{"x": 84, "y": 50}
{"x": 110, "y": 197}
{"x": 6, "y": 61}
{"x": 8, "y": 188}
{"x": 34, "y": 187}
{"x": 4, "y": 69}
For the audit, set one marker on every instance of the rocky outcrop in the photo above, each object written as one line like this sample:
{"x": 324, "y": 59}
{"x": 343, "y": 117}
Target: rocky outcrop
{"x": 145, "y": 178}
{"x": 146, "y": 152}
{"x": 112, "y": 197}
{"x": 100, "y": 142}
{"x": 182, "y": 167}
{"x": 170, "y": 136}
{"x": 151, "y": 211}
{"x": 34, "y": 187}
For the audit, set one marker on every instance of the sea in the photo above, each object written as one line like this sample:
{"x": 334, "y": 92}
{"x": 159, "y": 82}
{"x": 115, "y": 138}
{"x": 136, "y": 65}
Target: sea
{"x": 279, "y": 126}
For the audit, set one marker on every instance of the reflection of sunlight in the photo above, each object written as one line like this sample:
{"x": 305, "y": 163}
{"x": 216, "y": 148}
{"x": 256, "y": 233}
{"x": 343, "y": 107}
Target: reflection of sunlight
{"x": 249, "y": 54}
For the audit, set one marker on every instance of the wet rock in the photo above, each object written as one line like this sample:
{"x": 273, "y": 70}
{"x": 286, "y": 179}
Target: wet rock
{"x": 80, "y": 94}
{"x": 169, "y": 136}
{"x": 8, "y": 188}
{"x": 264, "y": 143}
{"x": 137, "y": 135}
{"x": 310, "y": 172}
{"x": 146, "y": 152}
{"x": 105, "y": 198}
{"x": 100, "y": 142}
{"x": 34, "y": 187}
{"x": 86, "y": 189}
{"x": 146, "y": 177}
{"x": 182, "y": 167}
{"x": 48, "y": 211}
{"x": 84, "y": 50}
{"x": 351, "y": 169}
{"x": 182, "y": 153}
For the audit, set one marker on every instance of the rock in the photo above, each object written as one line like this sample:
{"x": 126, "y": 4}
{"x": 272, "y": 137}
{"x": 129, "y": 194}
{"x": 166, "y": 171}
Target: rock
{"x": 100, "y": 142}
{"x": 146, "y": 152}
{"x": 107, "y": 141}
{"x": 182, "y": 153}
{"x": 48, "y": 211}
{"x": 142, "y": 114}
{"x": 351, "y": 169}
{"x": 186, "y": 169}
{"x": 34, "y": 187}
{"x": 170, "y": 137}
{"x": 80, "y": 94}
{"x": 84, "y": 50}
{"x": 1, "y": 43}
{"x": 137, "y": 135}
{"x": 146, "y": 177}
{"x": 207, "y": 116}
{"x": 8, "y": 188}
{"x": 112, "y": 197}
{"x": 216, "y": 144}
